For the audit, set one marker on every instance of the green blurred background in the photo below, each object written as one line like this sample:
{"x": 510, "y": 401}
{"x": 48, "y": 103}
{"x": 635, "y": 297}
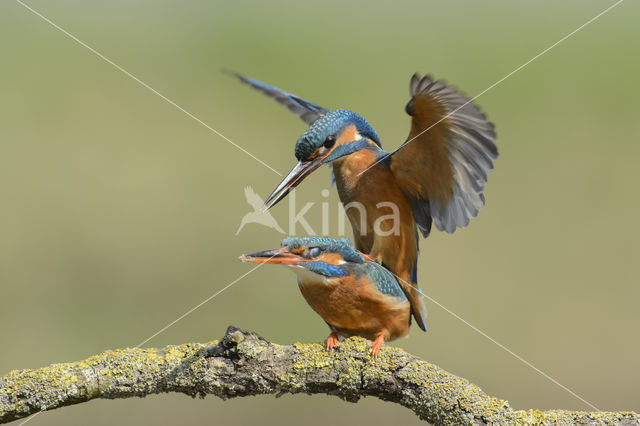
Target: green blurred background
{"x": 119, "y": 212}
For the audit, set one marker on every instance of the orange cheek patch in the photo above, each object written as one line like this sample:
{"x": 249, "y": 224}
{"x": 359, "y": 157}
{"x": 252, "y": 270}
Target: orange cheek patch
{"x": 348, "y": 135}
{"x": 331, "y": 258}
{"x": 299, "y": 250}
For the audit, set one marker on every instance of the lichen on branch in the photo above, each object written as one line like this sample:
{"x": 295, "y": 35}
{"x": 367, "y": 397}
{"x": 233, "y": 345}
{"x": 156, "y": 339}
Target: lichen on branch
{"x": 244, "y": 364}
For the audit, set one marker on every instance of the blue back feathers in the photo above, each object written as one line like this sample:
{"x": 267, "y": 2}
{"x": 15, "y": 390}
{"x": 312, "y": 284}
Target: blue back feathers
{"x": 331, "y": 124}
{"x": 384, "y": 280}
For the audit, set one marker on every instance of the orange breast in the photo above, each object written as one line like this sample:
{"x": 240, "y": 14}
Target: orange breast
{"x": 394, "y": 245}
{"x": 355, "y": 308}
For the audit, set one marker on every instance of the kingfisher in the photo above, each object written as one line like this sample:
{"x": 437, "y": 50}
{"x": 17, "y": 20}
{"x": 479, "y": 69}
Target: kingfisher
{"x": 353, "y": 295}
{"x": 437, "y": 176}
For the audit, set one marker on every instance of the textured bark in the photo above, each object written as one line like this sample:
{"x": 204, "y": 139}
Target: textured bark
{"x": 244, "y": 364}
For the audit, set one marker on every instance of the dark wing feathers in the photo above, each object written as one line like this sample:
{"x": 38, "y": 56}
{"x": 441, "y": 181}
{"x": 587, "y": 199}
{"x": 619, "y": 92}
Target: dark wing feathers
{"x": 413, "y": 84}
{"x": 307, "y": 111}
{"x": 444, "y": 163}
{"x": 422, "y": 217}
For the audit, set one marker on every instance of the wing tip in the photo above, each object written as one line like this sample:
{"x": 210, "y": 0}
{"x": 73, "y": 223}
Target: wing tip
{"x": 228, "y": 72}
{"x": 418, "y": 84}
{"x": 457, "y": 214}
{"x": 233, "y": 74}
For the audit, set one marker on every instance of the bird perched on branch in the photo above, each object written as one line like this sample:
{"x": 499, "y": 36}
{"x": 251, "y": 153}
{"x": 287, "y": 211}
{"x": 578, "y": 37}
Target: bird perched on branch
{"x": 355, "y": 296}
{"x": 436, "y": 176}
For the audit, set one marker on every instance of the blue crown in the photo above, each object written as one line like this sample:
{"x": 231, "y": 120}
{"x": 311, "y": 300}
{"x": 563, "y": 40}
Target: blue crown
{"x": 341, "y": 246}
{"x": 331, "y": 124}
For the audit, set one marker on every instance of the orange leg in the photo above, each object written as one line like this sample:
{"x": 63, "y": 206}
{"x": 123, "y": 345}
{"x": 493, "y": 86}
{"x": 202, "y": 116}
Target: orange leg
{"x": 376, "y": 345}
{"x": 332, "y": 340}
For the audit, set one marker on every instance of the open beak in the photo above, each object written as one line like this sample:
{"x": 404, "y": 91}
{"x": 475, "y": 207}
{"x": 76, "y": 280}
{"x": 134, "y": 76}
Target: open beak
{"x": 293, "y": 179}
{"x": 280, "y": 256}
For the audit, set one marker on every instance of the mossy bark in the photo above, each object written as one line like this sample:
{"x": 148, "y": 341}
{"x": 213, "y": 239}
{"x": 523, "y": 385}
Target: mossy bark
{"x": 244, "y": 364}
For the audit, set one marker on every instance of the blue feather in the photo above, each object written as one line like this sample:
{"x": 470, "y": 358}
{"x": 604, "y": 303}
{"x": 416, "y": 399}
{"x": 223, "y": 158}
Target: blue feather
{"x": 324, "y": 268}
{"x": 341, "y": 246}
{"x": 384, "y": 280}
{"x": 346, "y": 149}
{"x": 331, "y": 124}
{"x": 307, "y": 111}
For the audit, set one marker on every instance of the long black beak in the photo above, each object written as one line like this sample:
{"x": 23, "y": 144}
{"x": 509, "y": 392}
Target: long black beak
{"x": 280, "y": 256}
{"x": 293, "y": 179}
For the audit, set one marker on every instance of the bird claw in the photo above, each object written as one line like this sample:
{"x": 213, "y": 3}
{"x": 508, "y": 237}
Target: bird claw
{"x": 376, "y": 345}
{"x": 332, "y": 340}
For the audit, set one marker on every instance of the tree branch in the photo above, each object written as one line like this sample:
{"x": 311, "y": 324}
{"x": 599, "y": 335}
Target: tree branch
{"x": 244, "y": 364}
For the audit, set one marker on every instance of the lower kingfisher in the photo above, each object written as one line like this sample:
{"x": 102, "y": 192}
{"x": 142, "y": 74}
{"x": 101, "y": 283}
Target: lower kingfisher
{"x": 354, "y": 296}
{"x": 436, "y": 176}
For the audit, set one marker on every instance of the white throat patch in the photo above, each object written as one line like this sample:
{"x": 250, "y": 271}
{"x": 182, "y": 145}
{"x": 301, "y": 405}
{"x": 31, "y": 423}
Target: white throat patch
{"x": 305, "y": 276}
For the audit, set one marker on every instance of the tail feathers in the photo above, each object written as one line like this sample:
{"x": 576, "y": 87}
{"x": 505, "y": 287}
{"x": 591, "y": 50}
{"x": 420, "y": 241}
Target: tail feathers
{"x": 409, "y": 285}
{"x": 415, "y": 296}
{"x": 418, "y": 307}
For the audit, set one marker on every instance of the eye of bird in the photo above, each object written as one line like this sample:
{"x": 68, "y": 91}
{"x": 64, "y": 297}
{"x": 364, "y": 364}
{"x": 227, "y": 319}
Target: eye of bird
{"x": 329, "y": 141}
{"x": 314, "y": 251}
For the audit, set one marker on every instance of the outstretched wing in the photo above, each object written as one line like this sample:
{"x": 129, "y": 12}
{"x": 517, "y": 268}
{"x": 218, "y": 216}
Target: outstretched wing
{"x": 253, "y": 199}
{"x": 307, "y": 111}
{"x": 444, "y": 163}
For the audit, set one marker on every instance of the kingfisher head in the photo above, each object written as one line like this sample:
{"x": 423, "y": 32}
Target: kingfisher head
{"x": 326, "y": 257}
{"x": 317, "y": 259}
{"x": 334, "y": 135}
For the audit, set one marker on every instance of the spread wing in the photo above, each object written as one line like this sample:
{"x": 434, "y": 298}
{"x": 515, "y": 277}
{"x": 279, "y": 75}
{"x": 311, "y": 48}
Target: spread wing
{"x": 307, "y": 111}
{"x": 444, "y": 163}
{"x": 253, "y": 199}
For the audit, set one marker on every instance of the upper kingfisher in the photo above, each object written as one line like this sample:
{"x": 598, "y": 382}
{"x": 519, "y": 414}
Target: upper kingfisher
{"x": 353, "y": 295}
{"x": 436, "y": 176}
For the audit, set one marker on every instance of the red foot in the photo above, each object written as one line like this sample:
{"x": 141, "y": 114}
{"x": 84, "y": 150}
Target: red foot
{"x": 332, "y": 340}
{"x": 376, "y": 345}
